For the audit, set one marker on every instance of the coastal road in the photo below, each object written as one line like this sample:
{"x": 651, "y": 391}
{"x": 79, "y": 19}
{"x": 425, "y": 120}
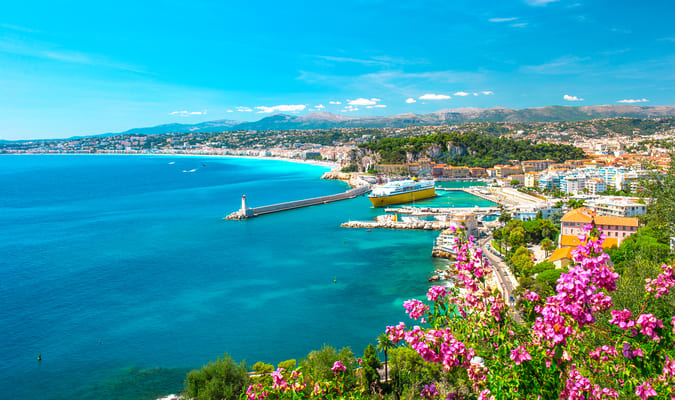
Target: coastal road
{"x": 500, "y": 267}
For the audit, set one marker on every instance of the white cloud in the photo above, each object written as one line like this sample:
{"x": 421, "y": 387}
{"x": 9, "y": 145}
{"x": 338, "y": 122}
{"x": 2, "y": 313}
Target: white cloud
{"x": 431, "y": 96}
{"x": 539, "y": 2}
{"x": 377, "y": 106}
{"x": 462, "y": 94}
{"x": 632, "y": 101}
{"x": 18, "y": 28}
{"x": 519, "y": 25}
{"x": 230, "y": 111}
{"x": 184, "y": 113}
{"x": 487, "y": 92}
{"x": 55, "y": 52}
{"x": 350, "y": 108}
{"x": 572, "y": 98}
{"x": 320, "y": 106}
{"x": 411, "y": 100}
{"x": 281, "y": 108}
{"x": 363, "y": 102}
{"x": 334, "y": 102}
{"x": 502, "y": 19}
{"x": 567, "y": 65}
{"x": 244, "y": 109}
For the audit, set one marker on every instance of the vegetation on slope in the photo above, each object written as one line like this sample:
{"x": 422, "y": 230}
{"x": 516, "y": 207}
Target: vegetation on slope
{"x": 469, "y": 149}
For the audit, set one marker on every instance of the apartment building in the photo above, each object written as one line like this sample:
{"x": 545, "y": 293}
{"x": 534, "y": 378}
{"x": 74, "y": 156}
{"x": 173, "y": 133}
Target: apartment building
{"x": 616, "y": 228}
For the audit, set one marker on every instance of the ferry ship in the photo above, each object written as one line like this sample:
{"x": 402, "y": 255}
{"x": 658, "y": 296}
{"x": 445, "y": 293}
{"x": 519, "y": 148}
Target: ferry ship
{"x": 401, "y": 192}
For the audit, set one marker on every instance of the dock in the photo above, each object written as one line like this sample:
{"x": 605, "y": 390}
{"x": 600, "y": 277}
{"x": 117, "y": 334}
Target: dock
{"x": 246, "y": 212}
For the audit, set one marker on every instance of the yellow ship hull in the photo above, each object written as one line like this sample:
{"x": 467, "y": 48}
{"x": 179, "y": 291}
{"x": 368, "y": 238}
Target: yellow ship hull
{"x": 402, "y": 197}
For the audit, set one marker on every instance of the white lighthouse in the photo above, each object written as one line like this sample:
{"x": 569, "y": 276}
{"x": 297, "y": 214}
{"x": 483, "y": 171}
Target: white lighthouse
{"x": 245, "y": 211}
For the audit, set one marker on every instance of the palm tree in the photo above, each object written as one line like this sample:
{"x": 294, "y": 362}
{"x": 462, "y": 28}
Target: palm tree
{"x": 547, "y": 245}
{"x": 384, "y": 344}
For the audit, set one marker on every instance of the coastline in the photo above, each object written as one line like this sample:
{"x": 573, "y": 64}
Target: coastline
{"x": 322, "y": 163}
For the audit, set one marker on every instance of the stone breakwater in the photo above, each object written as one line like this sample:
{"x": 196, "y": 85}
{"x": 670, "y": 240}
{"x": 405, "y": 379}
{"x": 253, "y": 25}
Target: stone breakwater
{"x": 352, "y": 180}
{"x": 388, "y": 224}
{"x": 436, "y": 252}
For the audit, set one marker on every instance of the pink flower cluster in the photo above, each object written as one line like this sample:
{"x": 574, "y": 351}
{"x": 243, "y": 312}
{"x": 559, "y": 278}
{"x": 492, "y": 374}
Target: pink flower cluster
{"x": 531, "y": 296}
{"x": 578, "y": 294}
{"x": 256, "y": 392}
{"x": 603, "y": 353}
{"x": 278, "y": 380}
{"x": 437, "y": 293}
{"x": 647, "y": 324}
{"x": 338, "y": 367}
{"x": 575, "y": 385}
{"x": 645, "y": 391}
{"x": 486, "y": 395}
{"x": 520, "y": 354}
{"x": 622, "y": 319}
{"x": 477, "y": 374}
{"x": 415, "y": 308}
{"x": 438, "y": 346}
{"x": 578, "y": 387}
{"x": 662, "y": 284}
{"x": 669, "y": 368}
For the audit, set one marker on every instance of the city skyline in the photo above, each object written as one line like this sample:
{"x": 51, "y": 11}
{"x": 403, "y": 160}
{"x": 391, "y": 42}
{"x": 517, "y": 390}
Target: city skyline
{"x": 88, "y": 69}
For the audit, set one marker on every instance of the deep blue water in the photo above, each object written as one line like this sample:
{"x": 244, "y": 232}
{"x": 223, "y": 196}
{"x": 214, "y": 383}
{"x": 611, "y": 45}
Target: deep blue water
{"x": 122, "y": 274}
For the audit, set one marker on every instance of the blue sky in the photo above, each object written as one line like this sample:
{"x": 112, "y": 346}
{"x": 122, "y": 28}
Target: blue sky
{"x": 74, "y": 68}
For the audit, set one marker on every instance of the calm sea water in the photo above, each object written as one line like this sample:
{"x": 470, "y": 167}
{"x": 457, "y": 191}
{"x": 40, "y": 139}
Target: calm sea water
{"x": 122, "y": 274}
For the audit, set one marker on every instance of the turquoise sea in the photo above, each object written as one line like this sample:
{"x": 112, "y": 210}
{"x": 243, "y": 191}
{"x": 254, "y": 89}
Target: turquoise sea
{"x": 122, "y": 274}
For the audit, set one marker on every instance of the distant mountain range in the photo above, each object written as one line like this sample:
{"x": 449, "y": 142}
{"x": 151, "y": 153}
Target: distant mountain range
{"x": 326, "y": 120}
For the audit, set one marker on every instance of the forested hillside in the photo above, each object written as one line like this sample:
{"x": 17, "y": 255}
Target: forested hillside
{"x": 470, "y": 149}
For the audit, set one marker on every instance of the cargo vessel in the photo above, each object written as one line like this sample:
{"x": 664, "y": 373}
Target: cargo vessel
{"x": 401, "y": 192}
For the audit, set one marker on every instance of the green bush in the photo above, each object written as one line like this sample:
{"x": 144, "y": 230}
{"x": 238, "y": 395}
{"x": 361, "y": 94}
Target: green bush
{"x": 408, "y": 368}
{"x": 262, "y": 368}
{"x": 370, "y": 365}
{"x": 222, "y": 379}
{"x": 318, "y": 364}
{"x": 550, "y": 277}
{"x": 287, "y": 365}
{"x": 542, "y": 266}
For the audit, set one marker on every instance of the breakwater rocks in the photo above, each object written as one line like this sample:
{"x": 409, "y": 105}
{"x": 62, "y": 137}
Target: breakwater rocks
{"x": 436, "y": 252}
{"x": 388, "y": 224}
{"x": 337, "y": 175}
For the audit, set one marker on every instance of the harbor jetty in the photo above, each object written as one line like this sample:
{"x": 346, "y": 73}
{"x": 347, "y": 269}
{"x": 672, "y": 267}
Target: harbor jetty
{"x": 406, "y": 225}
{"x": 247, "y": 212}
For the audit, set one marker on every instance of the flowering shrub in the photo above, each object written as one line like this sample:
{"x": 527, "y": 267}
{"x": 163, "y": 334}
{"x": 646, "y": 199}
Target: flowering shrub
{"x": 578, "y": 347}
{"x": 470, "y": 329}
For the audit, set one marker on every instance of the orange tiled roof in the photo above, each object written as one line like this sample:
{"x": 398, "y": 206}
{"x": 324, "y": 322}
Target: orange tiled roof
{"x": 561, "y": 253}
{"x": 581, "y": 214}
{"x": 622, "y": 221}
{"x": 573, "y": 241}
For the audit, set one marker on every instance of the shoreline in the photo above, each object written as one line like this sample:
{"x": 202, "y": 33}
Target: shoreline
{"x": 322, "y": 163}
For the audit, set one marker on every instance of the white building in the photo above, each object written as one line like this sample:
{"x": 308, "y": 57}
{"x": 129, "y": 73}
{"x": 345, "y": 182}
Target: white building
{"x": 531, "y": 180}
{"x": 617, "y": 206}
{"x": 595, "y": 186}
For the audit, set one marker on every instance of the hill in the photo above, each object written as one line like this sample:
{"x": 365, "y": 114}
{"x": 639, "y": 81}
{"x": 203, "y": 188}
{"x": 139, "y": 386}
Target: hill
{"x": 326, "y": 120}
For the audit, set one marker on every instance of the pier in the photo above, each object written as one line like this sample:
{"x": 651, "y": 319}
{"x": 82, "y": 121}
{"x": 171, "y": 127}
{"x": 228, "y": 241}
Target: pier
{"x": 246, "y": 212}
